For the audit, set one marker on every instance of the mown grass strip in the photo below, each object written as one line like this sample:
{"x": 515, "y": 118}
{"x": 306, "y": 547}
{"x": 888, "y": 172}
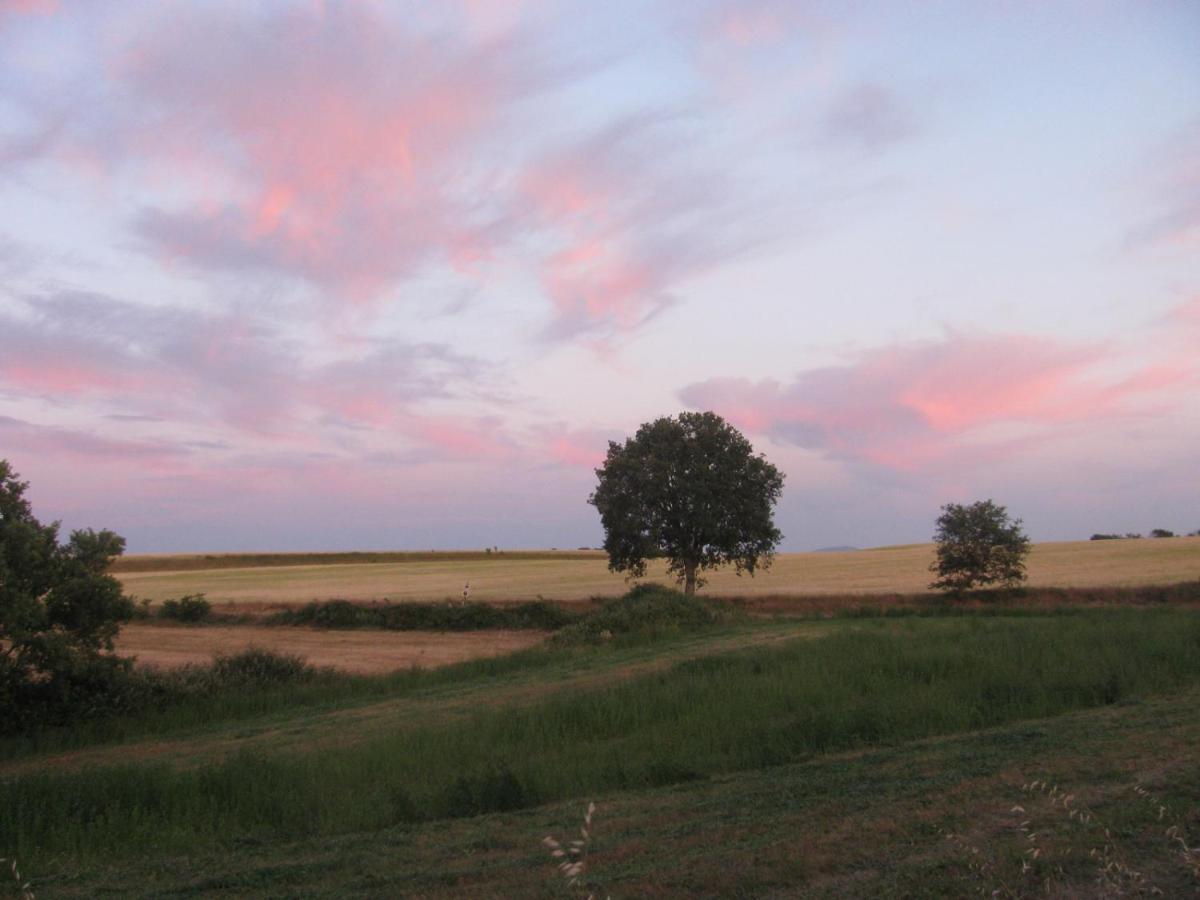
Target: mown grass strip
{"x": 876, "y": 683}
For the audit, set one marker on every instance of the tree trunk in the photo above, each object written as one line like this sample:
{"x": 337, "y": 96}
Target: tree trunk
{"x": 689, "y": 578}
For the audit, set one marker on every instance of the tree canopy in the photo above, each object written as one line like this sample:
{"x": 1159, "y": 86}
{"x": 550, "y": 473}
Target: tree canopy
{"x": 691, "y": 489}
{"x": 59, "y": 611}
{"x": 977, "y": 545}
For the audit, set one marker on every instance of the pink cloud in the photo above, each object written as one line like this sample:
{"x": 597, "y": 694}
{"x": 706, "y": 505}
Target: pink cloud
{"x": 29, "y": 7}
{"x": 906, "y": 406}
{"x": 235, "y": 373}
{"x": 1173, "y": 183}
{"x": 627, "y": 218}
{"x": 335, "y": 145}
{"x": 750, "y": 24}
{"x": 573, "y": 447}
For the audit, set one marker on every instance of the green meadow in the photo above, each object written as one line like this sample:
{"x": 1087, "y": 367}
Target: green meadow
{"x": 696, "y": 736}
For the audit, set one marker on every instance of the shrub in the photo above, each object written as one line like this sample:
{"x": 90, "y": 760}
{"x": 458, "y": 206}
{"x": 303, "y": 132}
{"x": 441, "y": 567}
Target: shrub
{"x": 540, "y": 615}
{"x": 259, "y": 667}
{"x": 648, "y": 610}
{"x": 188, "y": 608}
{"x": 1161, "y": 533}
{"x": 59, "y": 613}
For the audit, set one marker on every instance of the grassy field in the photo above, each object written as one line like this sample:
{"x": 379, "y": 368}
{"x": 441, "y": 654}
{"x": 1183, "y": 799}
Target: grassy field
{"x": 512, "y": 577}
{"x": 755, "y": 758}
{"x": 890, "y": 822}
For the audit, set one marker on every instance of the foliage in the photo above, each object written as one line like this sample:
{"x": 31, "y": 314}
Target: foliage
{"x": 689, "y": 489}
{"x": 1161, "y": 533}
{"x": 59, "y": 613}
{"x": 978, "y": 545}
{"x": 647, "y": 611}
{"x": 188, "y": 608}
{"x": 539, "y": 615}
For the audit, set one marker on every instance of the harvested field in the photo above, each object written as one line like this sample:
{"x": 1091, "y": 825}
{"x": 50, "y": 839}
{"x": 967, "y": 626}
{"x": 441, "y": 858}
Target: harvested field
{"x": 578, "y": 576}
{"x": 360, "y": 652}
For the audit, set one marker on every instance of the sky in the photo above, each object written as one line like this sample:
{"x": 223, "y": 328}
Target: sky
{"x": 367, "y": 275}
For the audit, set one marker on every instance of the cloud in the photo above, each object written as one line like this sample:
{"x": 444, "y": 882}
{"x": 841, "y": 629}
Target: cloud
{"x": 628, "y": 217}
{"x": 341, "y": 145}
{"x": 49, "y": 440}
{"x": 868, "y": 117}
{"x": 912, "y": 405}
{"x": 562, "y": 445}
{"x": 229, "y": 369}
{"x": 1174, "y": 183}
{"x": 354, "y": 150}
{"x": 27, "y": 8}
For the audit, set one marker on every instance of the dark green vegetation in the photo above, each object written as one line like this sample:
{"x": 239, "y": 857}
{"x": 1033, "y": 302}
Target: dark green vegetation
{"x": 189, "y": 608}
{"x": 647, "y": 612}
{"x": 864, "y": 824}
{"x": 152, "y": 702}
{"x": 978, "y": 545}
{"x": 691, "y": 490}
{"x": 551, "y": 731}
{"x": 59, "y": 612}
{"x": 414, "y": 616}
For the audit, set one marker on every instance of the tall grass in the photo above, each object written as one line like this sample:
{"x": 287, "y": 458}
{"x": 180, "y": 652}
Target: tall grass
{"x": 873, "y": 683}
{"x": 198, "y": 696}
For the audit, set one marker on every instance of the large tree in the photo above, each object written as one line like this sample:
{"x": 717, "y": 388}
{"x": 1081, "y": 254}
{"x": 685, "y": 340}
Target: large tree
{"x": 59, "y": 611}
{"x": 691, "y": 489}
{"x": 978, "y": 545}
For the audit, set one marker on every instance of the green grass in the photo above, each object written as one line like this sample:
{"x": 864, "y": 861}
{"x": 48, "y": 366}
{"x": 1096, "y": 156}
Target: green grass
{"x": 325, "y": 689}
{"x": 861, "y": 824}
{"x": 867, "y": 684}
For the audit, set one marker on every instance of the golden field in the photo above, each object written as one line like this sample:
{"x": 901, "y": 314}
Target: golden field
{"x": 567, "y": 576}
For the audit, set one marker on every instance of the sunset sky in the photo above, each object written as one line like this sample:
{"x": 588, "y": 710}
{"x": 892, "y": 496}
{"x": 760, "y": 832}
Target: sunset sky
{"x": 390, "y": 275}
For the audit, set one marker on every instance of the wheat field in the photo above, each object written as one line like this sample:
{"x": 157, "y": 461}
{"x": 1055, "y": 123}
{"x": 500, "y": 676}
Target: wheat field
{"x": 518, "y": 577}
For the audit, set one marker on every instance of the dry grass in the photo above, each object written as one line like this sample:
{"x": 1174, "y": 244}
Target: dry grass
{"x": 577, "y": 576}
{"x": 360, "y": 652}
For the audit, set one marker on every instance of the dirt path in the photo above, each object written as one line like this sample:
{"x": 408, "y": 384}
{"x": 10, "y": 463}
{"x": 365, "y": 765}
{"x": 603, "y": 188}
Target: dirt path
{"x": 359, "y": 652}
{"x": 306, "y": 729}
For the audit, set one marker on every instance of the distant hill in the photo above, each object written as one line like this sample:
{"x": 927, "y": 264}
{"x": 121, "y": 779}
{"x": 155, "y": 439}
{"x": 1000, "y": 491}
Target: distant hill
{"x": 841, "y": 549}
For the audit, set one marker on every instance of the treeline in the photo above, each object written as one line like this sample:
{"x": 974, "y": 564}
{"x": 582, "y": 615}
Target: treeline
{"x": 1133, "y": 535}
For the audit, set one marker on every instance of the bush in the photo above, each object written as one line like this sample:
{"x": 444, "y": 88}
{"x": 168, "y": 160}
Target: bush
{"x": 1162, "y": 533}
{"x": 188, "y": 608}
{"x": 649, "y": 610}
{"x": 540, "y": 615}
{"x": 59, "y": 613}
{"x": 258, "y": 667}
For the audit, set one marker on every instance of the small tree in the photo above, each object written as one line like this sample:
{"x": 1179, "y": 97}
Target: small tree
{"x": 978, "y": 545}
{"x": 59, "y": 612}
{"x": 692, "y": 490}
{"x": 1161, "y": 533}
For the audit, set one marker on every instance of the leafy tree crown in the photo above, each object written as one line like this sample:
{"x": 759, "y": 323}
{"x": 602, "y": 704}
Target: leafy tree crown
{"x": 978, "y": 545}
{"x": 59, "y": 611}
{"x": 691, "y": 489}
